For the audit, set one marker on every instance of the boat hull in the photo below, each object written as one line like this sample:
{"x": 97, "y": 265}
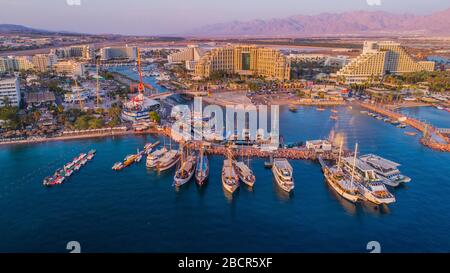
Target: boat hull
{"x": 348, "y": 196}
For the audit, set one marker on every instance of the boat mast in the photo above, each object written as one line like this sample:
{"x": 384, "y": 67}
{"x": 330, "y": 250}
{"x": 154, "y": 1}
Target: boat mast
{"x": 354, "y": 163}
{"x": 340, "y": 154}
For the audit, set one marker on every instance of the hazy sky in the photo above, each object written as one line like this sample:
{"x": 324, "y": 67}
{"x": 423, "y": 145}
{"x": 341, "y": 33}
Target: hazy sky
{"x": 150, "y": 17}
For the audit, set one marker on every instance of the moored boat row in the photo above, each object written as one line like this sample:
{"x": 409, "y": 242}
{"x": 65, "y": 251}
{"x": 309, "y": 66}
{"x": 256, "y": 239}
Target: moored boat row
{"x": 68, "y": 169}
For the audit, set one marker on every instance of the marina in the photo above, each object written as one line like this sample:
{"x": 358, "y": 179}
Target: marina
{"x": 148, "y": 195}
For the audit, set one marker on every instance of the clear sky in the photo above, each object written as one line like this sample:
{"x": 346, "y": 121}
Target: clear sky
{"x": 152, "y": 17}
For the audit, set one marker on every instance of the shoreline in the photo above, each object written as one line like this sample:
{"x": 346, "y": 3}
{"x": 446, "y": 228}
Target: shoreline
{"x": 77, "y": 137}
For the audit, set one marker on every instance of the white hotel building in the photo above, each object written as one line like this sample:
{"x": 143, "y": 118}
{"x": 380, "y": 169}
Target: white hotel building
{"x": 9, "y": 88}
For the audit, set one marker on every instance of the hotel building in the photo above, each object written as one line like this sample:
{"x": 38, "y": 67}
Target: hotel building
{"x": 44, "y": 62}
{"x": 189, "y": 56}
{"x": 78, "y": 51}
{"x": 13, "y": 63}
{"x": 244, "y": 60}
{"x": 379, "y": 59}
{"x": 9, "y": 88}
{"x": 126, "y": 52}
{"x": 69, "y": 68}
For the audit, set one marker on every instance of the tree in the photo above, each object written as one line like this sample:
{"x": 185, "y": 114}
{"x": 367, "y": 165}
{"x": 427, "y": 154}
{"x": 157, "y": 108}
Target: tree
{"x": 154, "y": 116}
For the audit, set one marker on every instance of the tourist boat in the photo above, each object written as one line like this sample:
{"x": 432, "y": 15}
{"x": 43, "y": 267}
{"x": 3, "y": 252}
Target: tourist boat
{"x": 292, "y": 108}
{"x": 410, "y": 133}
{"x": 91, "y": 154}
{"x": 153, "y": 158}
{"x": 230, "y": 180}
{"x": 185, "y": 171}
{"x": 202, "y": 169}
{"x": 334, "y": 111}
{"x": 117, "y": 166}
{"x": 245, "y": 174}
{"x": 149, "y": 146}
{"x": 387, "y": 170}
{"x": 138, "y": 158}
{"x": 128, "y": 160}
{"x": 338, "y": 181}
{"x": 320, "y": 109}
{"x": 282, "y": 171}
{"x": 369, "y": 184}
{"x": 168, "y": 160}
{"x": 68, "y": 172}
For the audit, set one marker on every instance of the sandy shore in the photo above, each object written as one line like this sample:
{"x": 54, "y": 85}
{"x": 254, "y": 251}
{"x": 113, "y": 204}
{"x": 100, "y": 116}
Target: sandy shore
{"x": 80, "y": 136}
{"x": 228, "y": 98}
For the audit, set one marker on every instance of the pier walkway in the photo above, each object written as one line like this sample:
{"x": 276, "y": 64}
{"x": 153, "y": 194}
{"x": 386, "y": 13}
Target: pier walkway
{"x": 432, "y": 137}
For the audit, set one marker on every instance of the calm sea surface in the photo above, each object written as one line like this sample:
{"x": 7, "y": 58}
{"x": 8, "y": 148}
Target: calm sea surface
{"x": 138, "y": 210}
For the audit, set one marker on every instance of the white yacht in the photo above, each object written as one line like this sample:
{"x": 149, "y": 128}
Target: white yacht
{"x": 387, "y": 170}
{"x": 168, "y": 160}
{"x": 282, "y": 171}
{"x": 153, "y": 158}
{"x": 368, "y": 183}
{"x": 230, "y": 180}
{"x": 245, "y": 173}
{"x": 185, "y": 171}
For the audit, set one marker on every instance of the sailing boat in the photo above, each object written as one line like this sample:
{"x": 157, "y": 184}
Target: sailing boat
{"x": 371, "y": 188}
{"x": 186, "y": 168}
{"x": 230, "y": 180}
{"x": 244, "y": 172}
{"x": 202, "y": 169}
{"x": 337, "y": 179}
{"x": 169, "y": 159}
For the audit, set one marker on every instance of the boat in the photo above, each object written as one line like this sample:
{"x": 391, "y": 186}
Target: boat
{"x": 117, "y": 166}
{"x": 282, "y": 171}
{"x": 387, "y": 170}
{"x": 230, "y": 180}
{"x": 292, "y": 108}
{"x": 338, "y": 181}
{"x": 244, "y": 173}
{"x": 153, "y": 158}
{"x": 149, "y": 146}
{"x": 138, "y": 158}
{"x": 401, "y": 125}
{"x": 369, "y": 184}
{"x": 410, "y": 133}
{"x": 168, "y": 160}
{"x": 334, "y": 110}
{"x": 334, "y": 117}
{"x": 91, "y": 154}
{"x": 202, "y": 169}
{"x": 320, "y": 109}
{"x": 129, "y": 159}
{"x": 363, "y": 112}
{"x": 68, "y": 172}
{"x": 185, "y": 171}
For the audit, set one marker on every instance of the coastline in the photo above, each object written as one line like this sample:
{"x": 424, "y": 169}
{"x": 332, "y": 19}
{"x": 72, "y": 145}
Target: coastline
{"x": 80, "y": 136}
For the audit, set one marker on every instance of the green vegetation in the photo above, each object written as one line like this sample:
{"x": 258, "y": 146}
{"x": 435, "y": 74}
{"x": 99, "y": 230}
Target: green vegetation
{"x": 87, "y": 121}
{"x": 154, "y": 117}
{"x": 9, "y": 114}
{"x": 438, "y": 81}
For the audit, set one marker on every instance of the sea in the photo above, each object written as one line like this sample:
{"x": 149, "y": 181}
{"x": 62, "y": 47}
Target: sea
{"x": 139, "y": 210}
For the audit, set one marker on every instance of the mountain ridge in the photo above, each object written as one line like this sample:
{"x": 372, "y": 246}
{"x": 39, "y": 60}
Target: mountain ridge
{"x": 352, "y": 22}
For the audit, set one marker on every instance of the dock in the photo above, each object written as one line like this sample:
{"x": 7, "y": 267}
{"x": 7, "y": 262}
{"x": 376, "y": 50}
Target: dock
{"x": 432, "y": 137}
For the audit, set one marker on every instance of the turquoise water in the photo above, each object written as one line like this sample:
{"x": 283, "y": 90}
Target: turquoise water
{"x": 137, "y": 210}
{"x": 432, "y": 115}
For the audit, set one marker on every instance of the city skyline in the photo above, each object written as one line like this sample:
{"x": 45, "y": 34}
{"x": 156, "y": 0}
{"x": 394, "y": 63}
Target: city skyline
{"x": 137, "y": 17}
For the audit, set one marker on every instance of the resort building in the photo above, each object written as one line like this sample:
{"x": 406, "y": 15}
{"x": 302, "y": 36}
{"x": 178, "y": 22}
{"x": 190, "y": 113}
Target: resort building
{"x": 188, "y": 56}
{"x": 44, "y": 62}
{"x": 126, "y": 52}
{"x": 77, "y": 51}
{"x": 9, "y": 90}
{"x": 13, "y": 63}
{"x": 244, "y": 60}
{"x": 379, "y": 59}
{"x": 69, "y": 68}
